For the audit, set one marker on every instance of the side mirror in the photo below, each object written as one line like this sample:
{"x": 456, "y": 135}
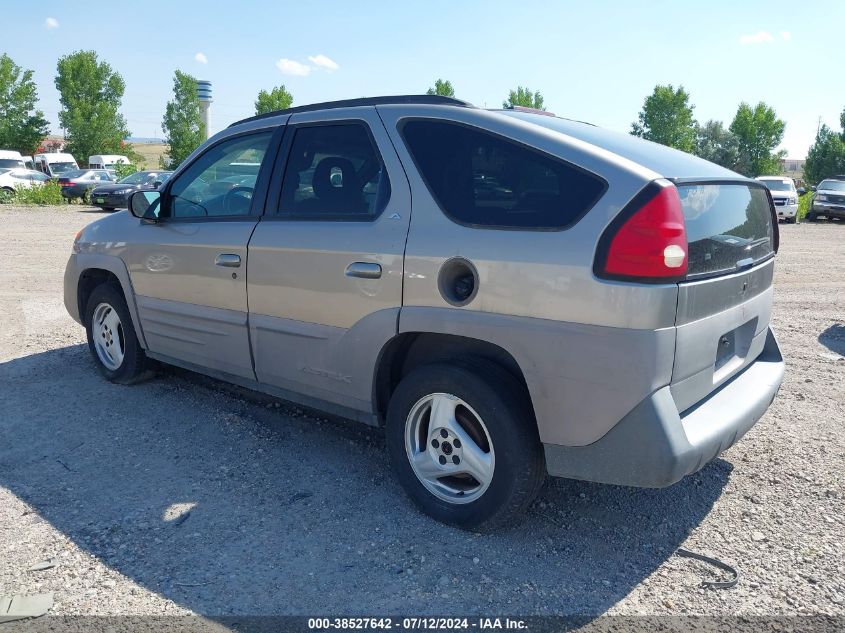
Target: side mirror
{"x": 801, "y": 191}
{"x": 145, "y": 205}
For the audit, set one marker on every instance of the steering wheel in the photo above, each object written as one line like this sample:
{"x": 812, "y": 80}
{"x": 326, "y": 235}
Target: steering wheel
{"x": 233, "y": 194}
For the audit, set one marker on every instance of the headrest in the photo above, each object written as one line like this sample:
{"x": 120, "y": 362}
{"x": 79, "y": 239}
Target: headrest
{"x": 322, "y": 183}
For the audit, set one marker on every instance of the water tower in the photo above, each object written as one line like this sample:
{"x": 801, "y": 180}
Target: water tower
{"x": 204, "y": 94}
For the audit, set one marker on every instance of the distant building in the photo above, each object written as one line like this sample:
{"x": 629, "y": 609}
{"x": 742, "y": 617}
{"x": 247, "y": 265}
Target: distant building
{"x": 792, "y": 167}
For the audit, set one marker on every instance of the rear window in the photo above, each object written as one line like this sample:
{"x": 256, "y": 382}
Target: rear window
{"x": 729, "y": 226}
{"x": 486, "y": 180}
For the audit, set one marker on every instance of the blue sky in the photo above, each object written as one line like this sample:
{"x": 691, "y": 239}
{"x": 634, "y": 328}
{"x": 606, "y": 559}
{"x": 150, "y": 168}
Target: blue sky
{"x": 595, "y": 62}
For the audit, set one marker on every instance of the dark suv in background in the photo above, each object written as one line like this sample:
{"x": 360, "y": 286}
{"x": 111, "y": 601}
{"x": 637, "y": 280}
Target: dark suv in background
{"x": 829, "y": 200}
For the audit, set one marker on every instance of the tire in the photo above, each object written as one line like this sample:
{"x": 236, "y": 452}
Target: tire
{"x": 491, "y": 429}
{"x": 7, "y": 194}
{"x": 811, "y": 217}
{"x": 111, "y": 336}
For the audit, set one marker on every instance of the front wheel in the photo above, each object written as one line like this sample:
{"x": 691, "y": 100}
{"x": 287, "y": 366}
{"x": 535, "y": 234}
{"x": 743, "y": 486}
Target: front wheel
{"x": 111, "y": 336}
{"x": 463, "y": 443}
{"x": 811, "y": 217}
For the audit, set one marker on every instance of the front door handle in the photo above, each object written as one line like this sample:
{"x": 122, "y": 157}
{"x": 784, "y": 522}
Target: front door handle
{"x": 363, "y": 270}
{"x": 229, "y": 260}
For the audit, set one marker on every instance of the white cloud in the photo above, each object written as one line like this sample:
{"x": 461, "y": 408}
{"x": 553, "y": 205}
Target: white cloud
{"x": 786, "y": 35}
{"x": 51, "y": 23}
{"x": 201, "y": 58}
{"x": 292, "y": 67}
{"x": 762, "y": 37}
{"x": 321, "y": 61}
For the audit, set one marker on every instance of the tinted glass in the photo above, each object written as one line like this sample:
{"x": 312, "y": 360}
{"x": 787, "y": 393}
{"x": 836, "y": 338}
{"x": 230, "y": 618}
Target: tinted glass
{"x": 777, "y": 185}
{"x": 832, "y": 185}
{"x": 37, "y": 175}
{"x": 726, "y": 224}
{"x": 485, "y": 180}
{"x": 73, "y": 173}
{"x": 134, "y": 179}
{"x": 10, "y": 163}
{"x": 62, "y": 168}
{"x": 221, "y": 181}
{"x": 334, "y": 172}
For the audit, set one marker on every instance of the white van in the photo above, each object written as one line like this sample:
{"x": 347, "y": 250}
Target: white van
{"x": 10, "y": 159}
{"x": 55, "y": 164}
{"x": 106, "y": 161}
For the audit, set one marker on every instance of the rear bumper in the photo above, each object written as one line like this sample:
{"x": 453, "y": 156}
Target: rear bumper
{"x": 655, "y": 445}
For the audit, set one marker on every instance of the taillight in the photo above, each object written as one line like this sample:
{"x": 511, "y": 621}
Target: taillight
{"x": 648, "y": 239}
{"x": 68, "y": 183}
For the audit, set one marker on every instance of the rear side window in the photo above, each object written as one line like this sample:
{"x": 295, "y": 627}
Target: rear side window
{"x": 482, "y": 179}
{"x": 334, "y": 172}
{"x": 727, "y": 225}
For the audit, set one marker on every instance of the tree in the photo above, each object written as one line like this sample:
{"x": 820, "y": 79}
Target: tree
{"x": 758, "y": 132}
{"x": 182, "y": 125}
{"x": 666, "y": 118}
{"x": 716, "y": 144}
{"x": 22, "y": 126}
{"x": 277, "y": 99}
{"x": 90, "y": 93}
{"x": 525, "y": 98}
{"x": 442, "y": 87}
{"x": 826, "y": 156}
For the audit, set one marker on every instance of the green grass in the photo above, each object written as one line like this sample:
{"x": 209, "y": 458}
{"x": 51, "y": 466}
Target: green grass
{"x": 49, "y": 193}
{"x": 804, "y": 204}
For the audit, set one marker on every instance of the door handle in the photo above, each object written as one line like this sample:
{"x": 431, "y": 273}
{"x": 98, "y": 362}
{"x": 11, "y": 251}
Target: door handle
{"x": 229, "y": 260}
{"x": 363, "y": 270}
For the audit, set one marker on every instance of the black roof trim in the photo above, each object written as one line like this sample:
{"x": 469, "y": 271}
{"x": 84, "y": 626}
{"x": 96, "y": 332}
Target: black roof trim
{"x": 364, "y": 101}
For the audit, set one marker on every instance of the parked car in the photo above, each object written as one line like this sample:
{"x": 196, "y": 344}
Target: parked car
{"x": 12, "y": 179}
{"x": 601, "y": 311}
{"x": 10, "y": 159}
{"x": 106, "y": 161}
{"x": 80, "y": 182}
{"x": 55, "y": 164}
{"x": 114, "y": 195}
{"x": 784, "y": 195}
{"x": 828, "y": 200}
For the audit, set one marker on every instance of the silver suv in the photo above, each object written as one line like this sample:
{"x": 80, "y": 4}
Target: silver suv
{"x": 509, "y": 294}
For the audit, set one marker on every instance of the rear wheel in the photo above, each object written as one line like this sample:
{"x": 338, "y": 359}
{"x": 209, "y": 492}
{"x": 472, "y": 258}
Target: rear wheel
{"x": 111, "y": 336}
{"x": 7, "y": 194}
{"x": 463, "y": 443}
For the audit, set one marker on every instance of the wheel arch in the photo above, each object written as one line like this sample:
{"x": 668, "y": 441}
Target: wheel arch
{"x": 96, "y": 269}
{"x": 409, "y": 350}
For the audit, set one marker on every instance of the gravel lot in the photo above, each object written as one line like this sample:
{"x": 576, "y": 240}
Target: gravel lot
{"x": 182, "y": 495}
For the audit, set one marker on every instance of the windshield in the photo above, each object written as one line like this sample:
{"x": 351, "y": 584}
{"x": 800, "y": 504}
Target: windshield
{"x": 134, "y": 179}
{"x": 832, "y": 185}
{"x": 73, "y": 173}
{"x": 10, "y": 163}
{"x": 727, "y": 226}
{"x": 777, "y": 185}
{"x": 62, "y": 168}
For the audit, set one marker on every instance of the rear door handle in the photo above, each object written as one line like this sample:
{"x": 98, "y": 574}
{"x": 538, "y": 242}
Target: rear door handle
{"x": 229, "y": 260}
{"x": 363, "y": 270}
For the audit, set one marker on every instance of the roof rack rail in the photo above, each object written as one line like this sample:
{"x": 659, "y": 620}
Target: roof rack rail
{"x": 364, "y": 101}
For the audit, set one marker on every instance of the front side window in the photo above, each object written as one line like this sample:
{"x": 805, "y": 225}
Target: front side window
{"x": 221, "y": 181}
{"x": 334, "y": 172}
{"x": 486, "y": 180}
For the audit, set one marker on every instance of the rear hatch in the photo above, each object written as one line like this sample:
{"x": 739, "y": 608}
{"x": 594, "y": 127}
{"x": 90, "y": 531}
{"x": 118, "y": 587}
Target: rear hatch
{"x": 725, "y": 302}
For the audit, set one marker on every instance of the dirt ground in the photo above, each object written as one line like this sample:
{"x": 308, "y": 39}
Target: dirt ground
{"x": 180, "y": 495}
